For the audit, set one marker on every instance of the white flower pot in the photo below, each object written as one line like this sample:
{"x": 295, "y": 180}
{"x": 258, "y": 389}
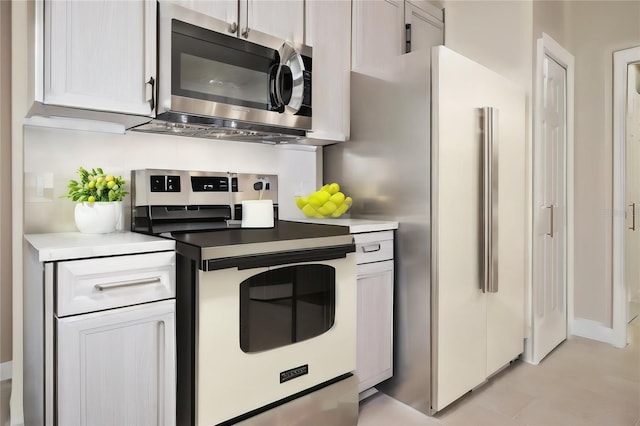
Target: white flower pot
{"x": 98, "y": 218}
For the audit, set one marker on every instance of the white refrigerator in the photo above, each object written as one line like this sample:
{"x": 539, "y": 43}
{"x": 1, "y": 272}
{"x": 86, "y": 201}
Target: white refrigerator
{"x": 438, "y": 144}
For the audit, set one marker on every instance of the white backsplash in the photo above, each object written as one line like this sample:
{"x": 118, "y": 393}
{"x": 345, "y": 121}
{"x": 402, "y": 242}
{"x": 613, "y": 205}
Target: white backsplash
{"x": 52, "y": 157}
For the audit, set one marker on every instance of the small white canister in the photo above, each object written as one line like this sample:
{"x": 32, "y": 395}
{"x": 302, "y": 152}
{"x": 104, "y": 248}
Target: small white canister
{"x": 257, "y": 214}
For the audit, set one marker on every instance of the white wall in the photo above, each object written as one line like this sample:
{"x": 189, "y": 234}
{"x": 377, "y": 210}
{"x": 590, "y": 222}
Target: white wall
{"x": 597, "y": 29}
{"x": 5, "y": 183}
{"x": 54, "y": 155}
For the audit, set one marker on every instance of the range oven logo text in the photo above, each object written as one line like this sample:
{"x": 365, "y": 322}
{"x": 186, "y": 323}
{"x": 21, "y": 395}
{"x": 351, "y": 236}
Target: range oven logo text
{"x": 293, "y": 373}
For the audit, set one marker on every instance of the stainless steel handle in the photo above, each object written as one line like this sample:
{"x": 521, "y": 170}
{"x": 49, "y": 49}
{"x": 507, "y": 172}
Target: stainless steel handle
{"x": 143, "y": 281}
{"x": 633, "y": 216}
{"x": 233, "y": 27}
{"x": 490, "y": 199}
{"x": 245, "y": 32}
{"x": 152, "y": 101}
{"x": 551, "y": 209}
{"x": 371, "y": 248}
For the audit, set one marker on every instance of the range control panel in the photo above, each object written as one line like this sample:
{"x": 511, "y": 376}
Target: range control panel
{"x": 159, "y": 187}
{"x": 162, "y": 183}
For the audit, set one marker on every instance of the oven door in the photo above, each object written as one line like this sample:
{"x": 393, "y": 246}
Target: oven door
{"x": 267, "y": 334}
{"x": 207, "y": 72}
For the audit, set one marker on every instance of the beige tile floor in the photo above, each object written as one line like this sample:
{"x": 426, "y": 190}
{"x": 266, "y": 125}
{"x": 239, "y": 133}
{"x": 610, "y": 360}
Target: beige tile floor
{"x": 582, "y": 382}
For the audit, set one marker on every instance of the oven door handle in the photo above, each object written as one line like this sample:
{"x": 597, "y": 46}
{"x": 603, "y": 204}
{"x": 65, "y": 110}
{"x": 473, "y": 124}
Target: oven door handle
{"x": 282, "y": 258}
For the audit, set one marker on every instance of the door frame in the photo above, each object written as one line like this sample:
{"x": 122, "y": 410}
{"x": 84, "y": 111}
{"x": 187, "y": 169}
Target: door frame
{"x": 546, "y": 45}
{"x": 621, "y": 61}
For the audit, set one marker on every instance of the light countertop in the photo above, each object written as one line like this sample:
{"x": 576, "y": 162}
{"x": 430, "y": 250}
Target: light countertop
{"x": 75, "y": 245}
{"x": 356, "y": 226}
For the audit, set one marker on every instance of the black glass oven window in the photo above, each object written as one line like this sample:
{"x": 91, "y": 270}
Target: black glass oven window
{"x": 216, "y": 67}
{"x": 286, "y": 305}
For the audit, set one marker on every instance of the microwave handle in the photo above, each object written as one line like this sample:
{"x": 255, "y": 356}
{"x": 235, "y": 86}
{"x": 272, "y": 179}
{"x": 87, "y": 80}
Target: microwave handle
{"x": 245, "y": 31}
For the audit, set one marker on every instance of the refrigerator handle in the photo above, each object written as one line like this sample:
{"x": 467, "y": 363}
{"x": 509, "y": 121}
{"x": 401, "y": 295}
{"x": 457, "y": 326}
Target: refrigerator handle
{"x": 490, "y": 198}
{"x": 407, "y": 38}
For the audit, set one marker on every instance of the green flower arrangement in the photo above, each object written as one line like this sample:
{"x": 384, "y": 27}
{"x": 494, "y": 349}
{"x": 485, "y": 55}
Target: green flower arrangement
{"x": 96, "y": 186}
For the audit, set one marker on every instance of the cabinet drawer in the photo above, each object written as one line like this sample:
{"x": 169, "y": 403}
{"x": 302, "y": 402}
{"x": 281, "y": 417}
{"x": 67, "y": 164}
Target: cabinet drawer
{"x": 373, "y": 246}
{"x": 104, "y": 283}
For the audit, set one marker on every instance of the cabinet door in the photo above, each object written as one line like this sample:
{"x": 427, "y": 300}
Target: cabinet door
{"x": 375, "y": 324}
{"x": 330, "y": 31}
{"x": 279, "y": 18}
{"x": 424, "y": 26}
{"x": 225, "y": 10}
{"x": 117, "y": 367}
{"x": 378, "y": 27}
{"x": 100, "y": 55}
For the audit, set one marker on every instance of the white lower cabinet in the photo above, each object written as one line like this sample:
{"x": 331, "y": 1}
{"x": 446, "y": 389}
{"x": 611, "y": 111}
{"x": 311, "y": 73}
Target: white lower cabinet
{"x": 117, "y": 367}
{"x": 99, "y": 330}
{"x": 374, "y": 254}
{"x": 375, "y": 323}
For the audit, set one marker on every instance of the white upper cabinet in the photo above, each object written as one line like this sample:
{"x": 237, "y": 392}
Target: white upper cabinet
{"x": 329, "y": 31}
{"x": 423, "y": 25}
{"x": 386, "y": 29}
{"x": 377, "y": 33}
{"x": 100, "y": 55}
{"x": 224, "y": 10}
{"x": 282, "y": 19}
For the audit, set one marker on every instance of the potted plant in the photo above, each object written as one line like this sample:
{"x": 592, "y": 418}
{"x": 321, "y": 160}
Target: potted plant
{"x": 99, "y": 200}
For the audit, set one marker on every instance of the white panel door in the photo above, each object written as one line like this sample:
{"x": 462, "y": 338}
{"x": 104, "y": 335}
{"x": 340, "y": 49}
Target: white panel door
{"x": 505, "y": 307}
{"x": 460, "y": 327}
{"x": 377, "y": 34}
{"x": 280, "y": 18}
{"x": 117, "y": 367}
{"x": 632, "y": 192}
{"x": 475, "y": 333}
{"x": 549, "y": 220}
{"x": 100, "y": 55}
{"x": 375, "y": 324}
{"x": 225, "y": 10}
{"x": 329, "y": 29}
{"x": 425, "y": 29}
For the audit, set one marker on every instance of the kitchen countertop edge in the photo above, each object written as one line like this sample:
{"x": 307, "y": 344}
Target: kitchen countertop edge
{"x": 75, "y": 245}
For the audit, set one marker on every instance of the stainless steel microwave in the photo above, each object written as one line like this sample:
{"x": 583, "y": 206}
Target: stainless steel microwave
{"x": 212, "y": 81}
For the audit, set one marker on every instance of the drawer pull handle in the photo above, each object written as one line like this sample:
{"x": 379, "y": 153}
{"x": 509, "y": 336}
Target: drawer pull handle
{"x": 371, "y": 248}
{"x": 143, "y": 281}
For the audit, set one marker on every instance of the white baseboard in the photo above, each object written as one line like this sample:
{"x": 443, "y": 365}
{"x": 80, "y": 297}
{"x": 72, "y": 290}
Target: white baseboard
{"x": 5, "y": 371}
{"x": 593, "y": 330}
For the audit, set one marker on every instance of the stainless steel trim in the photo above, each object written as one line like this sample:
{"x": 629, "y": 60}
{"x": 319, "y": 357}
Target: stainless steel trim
{"x": 220, "y": 252}
{"x": 233, "y": 112}
{"x": 335, "y": 405}
{"x": 551, "y": 213}
{"x": 490, "y": 199}
{"x": 633, "y": 216}
{"x": 371, "y": 248}
{"x": 143, "y": 281}
{"x": 290, "y": 57}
